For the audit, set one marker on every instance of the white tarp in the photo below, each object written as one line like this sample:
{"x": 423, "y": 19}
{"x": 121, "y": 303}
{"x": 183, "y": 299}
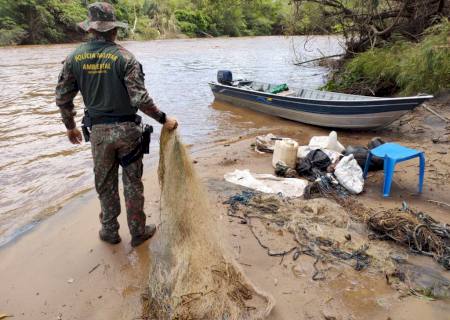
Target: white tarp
{"x": 267, "y": 183}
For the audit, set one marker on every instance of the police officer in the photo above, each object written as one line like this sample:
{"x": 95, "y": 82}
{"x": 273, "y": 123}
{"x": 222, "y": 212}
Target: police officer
{"x": 111, "y": 82}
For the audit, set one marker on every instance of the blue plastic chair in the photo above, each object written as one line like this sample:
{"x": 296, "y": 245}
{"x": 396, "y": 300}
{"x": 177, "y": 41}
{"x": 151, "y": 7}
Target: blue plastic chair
{"x": 393, "y": 153}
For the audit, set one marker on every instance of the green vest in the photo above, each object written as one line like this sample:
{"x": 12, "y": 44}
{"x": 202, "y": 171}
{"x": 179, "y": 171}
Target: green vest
{"x": 99, "y": 68}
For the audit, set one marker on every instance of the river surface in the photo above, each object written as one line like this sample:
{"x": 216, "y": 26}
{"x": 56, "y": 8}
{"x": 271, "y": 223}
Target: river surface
{"x": 40, "y": 170}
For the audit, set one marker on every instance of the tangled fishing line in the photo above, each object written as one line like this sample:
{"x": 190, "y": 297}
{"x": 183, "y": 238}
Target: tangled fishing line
{"x": 419, "y": 231}
{"x": 302, "y": 221}
{"x": 193, "y": 278}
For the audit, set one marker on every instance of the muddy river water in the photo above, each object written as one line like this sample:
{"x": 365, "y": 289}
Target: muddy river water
{"x": 40, "y": 170}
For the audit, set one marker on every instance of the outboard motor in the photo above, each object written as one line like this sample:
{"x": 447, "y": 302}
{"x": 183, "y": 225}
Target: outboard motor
{"x": 225, "y": 77}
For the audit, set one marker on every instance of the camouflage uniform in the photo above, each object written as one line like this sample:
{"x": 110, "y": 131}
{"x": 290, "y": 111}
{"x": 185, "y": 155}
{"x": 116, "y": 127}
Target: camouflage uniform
{"x": 109, "y": 142}
{"x": 111, "y": 81}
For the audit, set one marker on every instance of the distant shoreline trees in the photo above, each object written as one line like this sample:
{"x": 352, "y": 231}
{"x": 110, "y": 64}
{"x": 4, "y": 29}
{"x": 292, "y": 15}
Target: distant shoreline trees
{"x": 54, "y": 21}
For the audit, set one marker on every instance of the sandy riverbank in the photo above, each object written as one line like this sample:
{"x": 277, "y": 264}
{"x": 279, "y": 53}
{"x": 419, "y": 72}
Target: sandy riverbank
{"x": 61, "y": 270}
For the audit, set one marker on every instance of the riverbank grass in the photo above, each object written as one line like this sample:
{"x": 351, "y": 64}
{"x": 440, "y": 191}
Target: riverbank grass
{"x": 403, "y": 68}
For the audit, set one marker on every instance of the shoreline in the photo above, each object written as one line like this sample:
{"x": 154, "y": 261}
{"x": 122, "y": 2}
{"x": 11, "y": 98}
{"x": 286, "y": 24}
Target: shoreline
{"x": 181, "y": 37}
{"x": 54, "y": 209}
{"x": 63, "y": 271}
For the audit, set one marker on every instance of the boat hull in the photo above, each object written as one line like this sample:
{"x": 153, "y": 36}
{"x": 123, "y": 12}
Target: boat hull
{"x": 364, "y": 114}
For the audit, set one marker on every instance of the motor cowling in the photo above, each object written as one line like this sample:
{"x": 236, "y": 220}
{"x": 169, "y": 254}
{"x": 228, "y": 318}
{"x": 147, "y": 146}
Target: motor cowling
{"x": 225, "y": 77}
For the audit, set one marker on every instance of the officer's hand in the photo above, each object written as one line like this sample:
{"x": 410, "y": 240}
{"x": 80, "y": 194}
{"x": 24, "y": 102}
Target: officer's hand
{"x": 74, "y": 136}
{"x": 171, "y": 123}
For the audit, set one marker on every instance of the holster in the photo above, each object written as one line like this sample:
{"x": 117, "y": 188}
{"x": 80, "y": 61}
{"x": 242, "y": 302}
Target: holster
{"x": 86, "y": 126}
{"x": 146, "y": 138}
{"x": 142, "y": 148}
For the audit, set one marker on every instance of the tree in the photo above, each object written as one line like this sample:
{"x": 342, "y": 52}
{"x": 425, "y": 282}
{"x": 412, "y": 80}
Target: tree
{"x": 50, "y": 21}
{"x": 364, "y": 24}
{"x": 41, "y": 21}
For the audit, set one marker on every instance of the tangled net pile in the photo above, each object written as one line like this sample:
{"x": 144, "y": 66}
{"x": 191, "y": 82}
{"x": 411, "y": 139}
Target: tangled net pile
{"x": 419, "y": 231}
{"x": 193, "y": 278}
{"x": 319, "y": 228}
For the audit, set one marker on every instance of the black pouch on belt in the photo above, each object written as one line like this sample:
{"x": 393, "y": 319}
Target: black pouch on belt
{"x": 146, "y": 139}
{"x": 142, "y": 148}
{"x": 86, "y": 126}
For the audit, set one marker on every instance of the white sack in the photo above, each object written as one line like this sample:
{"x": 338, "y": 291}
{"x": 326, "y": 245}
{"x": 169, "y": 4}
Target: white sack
{"x": 349, "y": 174}
{"x": 267, "y": 183}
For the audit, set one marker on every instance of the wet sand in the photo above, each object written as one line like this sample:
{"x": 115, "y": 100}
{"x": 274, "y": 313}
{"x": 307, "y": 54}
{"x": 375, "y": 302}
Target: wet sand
{"x": 61, "y": 270}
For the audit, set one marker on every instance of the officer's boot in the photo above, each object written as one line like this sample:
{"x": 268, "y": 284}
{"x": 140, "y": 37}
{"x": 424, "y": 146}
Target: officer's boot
{"x": 148, "y": 233}
{"x": 112, "y": 238}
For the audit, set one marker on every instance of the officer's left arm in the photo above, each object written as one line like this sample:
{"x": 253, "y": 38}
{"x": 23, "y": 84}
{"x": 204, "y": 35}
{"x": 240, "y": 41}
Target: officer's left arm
{"x": 66, "y": 90}
{"x": 139, "y": 97}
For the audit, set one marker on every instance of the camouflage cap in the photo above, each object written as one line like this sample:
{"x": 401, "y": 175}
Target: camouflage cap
{"x": 101, "y": 17}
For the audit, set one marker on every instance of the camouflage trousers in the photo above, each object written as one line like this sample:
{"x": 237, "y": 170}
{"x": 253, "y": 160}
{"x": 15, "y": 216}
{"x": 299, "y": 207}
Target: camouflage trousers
{"x": 109, "y": 142}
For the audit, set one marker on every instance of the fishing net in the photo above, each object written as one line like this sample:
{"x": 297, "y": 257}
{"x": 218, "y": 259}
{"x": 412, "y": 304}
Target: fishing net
{"x": 192, "y": 277}
{"x": 325, "y": 186}
{"x": 419, "y": 231}
{"x": 336, "y": 236}
{"x": 319, "y": 229}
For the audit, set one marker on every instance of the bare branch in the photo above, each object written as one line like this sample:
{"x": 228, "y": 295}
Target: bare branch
{"x": 365, "y": 25}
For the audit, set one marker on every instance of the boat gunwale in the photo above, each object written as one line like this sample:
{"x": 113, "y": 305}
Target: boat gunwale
{"x": 422, "y": 97}
{"x": 261, "y": 107}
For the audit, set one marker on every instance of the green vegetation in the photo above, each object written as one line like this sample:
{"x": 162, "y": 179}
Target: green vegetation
{"x": 392, "y": 46}
{"x": 401, "y": 67}
{"x": 54, "y": 21}
{"x": 309, "y": 18}
{"x": 37, "y": 21}
{"x": 234, "y": 18}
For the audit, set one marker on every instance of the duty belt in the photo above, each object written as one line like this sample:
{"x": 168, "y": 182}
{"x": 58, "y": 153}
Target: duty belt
{"x": 143, "y": 147}
{"x": 88, "y": 122}
{"x": 114, "y": 119}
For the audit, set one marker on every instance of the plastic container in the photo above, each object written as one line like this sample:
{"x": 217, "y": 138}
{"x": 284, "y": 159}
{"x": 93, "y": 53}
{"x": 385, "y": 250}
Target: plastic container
{"x": 327, "y": 142}
{"x": 285, "y": 150}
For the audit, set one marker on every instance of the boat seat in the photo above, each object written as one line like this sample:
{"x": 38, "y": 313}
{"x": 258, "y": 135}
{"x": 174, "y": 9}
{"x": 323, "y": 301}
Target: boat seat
{"x": 262, "y": 87}
{"x": 288, "y": 93}
{"x": 302, "y": 93}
